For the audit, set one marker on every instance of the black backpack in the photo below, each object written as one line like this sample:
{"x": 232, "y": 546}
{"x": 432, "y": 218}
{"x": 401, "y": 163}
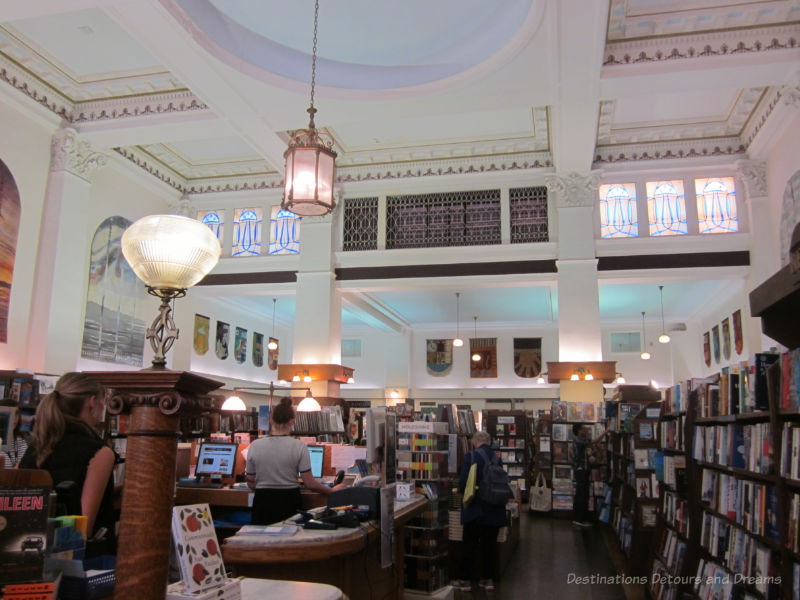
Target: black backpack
{"x": 493, "y": 487}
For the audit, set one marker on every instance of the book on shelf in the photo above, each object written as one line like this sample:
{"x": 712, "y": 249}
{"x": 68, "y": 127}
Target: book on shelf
{"x": 560, "y": 432}
{"x": 790, "y": 451}
{"x": 23, "y": 511}
{"x": 197, "y": 548}
{"x": 646, "y": 431}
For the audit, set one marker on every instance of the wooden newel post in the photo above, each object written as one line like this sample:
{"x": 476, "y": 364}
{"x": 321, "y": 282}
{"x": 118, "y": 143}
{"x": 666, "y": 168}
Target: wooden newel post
{"x": 155, "y": 400}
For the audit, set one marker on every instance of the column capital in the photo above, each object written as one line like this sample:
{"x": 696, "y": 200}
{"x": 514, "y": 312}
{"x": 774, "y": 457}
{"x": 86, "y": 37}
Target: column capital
{"x": 68, "y": 152}
{"x": 754, "y": 176}
{"x": 182, "y": 206}
{"x": 574, "y": 189}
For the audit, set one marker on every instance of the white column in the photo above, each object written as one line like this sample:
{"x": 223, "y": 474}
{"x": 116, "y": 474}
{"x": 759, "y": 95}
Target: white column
{"x": 764, "y": 251}
{"x": 579, "y": 331}
{"x": 62, "y": 260}
{"x": 318, "y": 312}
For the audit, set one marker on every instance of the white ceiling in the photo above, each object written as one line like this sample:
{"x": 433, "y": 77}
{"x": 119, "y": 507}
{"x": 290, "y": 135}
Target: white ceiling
{"x": 211, "y": 88}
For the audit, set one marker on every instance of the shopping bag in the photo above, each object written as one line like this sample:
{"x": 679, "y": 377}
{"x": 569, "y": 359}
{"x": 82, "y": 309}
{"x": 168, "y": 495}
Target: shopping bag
{"x": 541, "y": 495}
{"x": 470, "y": 488}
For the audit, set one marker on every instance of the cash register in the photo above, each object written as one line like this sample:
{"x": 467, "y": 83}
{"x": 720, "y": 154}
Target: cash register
{"x": 215, "y": 461}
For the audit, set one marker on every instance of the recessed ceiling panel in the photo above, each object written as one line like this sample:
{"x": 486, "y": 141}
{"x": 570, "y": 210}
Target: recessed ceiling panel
{"x": 685, "y": 106}
{"x": 619, "y": 301}
{"x": 87, "y": 43}
{"x": 216, "y": 150}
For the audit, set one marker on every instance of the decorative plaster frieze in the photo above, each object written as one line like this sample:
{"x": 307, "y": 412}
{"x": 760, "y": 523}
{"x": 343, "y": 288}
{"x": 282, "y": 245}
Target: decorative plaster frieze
{"x": 246, "y": 183}
{"x": 629, "y": 20}
{"x": 157, "y": 170}
{"x": 70, "y": 153}
{"x": 676, "y": 149}
{"x": 167, "y": 155}
{"x": 136, "y": 106}
{"x": 754, "y": 176}
{"x": 760, "y": 115}
{"x": 573, "y": 189}
{"x": 718, "y": 43}
{"x": 790, "y": 215}
{"x": 36, "y": 90}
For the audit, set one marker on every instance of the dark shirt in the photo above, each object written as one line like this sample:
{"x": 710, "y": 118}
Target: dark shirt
{"x": 478, "y": 511}
{"x": 69, "y": 461}
{"x": 580, "y": 460}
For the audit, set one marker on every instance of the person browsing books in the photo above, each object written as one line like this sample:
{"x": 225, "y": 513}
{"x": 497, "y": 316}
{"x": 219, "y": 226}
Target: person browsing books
{"x": 581, "y": 442}
{"x": 481, "y": 521}
{"x": 273, "y": 463}
{"x": 65, "y": 444}
{"x": 17, "y": 445}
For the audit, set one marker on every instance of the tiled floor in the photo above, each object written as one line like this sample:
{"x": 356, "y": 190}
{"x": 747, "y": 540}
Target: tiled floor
{"x": 551, "y": 558}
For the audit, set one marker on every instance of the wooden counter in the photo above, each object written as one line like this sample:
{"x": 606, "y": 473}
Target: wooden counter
{"x": 235, "y": 497}
{"x": 345, "y": 558}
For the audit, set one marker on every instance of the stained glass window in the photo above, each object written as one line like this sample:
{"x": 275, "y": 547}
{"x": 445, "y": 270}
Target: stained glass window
{"x": 618, "y": 210}
{"x": 666, "y": 208}
{"x": 246, "y": 232}
{"x": 215, "y": 220}
{"x": 716, "y": 205}
{"x": 284, "y": 232}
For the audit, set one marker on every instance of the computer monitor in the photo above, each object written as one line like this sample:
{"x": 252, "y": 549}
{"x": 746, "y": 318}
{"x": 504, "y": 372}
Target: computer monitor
{"x": 316, "y": 454}
{"x": 216, "y": 460}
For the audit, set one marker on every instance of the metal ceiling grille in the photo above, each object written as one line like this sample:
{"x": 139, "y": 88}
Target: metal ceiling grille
{"x": 528, "y": 215}
{"x": 443, "y": 219}
{"x": 360, "y": 224}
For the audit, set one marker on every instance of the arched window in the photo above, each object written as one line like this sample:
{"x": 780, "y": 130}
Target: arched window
{"x": 113, "y": 328}
{"x": 9, "y": 231}
{"x": 666, "y": 208}
{"x": 618, "y": 210}
{"x": 246, "y": 232}
{"x": 284, "y": 232}
{"x": 215, "y": 221}
{"x": 716, "y": 205}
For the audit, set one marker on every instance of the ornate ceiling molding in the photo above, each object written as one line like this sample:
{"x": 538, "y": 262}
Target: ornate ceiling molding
{"x": 70, "y": 153}
{"x": 33, "y": 88}
{"x": 718, "y": 43}
{"x": 574, "y": 189}
{"x": 168, "y": 156}
{"x": 136, "y": 106}
{"x": 760, "y": 116}
{"x": 156, "y": 169}
{"x": 731, "y": 124}
{"x": 730, "y": 146}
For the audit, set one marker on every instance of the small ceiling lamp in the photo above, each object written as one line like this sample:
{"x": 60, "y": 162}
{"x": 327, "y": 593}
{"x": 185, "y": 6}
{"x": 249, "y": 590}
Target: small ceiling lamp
{"x": 541, "y": 378}
{"x": 310, "y": 160}
{"x": 394, "y": 394}
{"x": 306, "y": 377}
{"x": 458, "y": 342}
{"x": 273, "y": 344}
{"x": 588, "y": 377}
{"x": 663, "y": 338}
{"x": 476, "y": 356}
{"x": 296, "y": 377}
{"x": 308, "y": 404}
{"x": 575, "y": 377}
{"x": 645, "y": 355}
{"x": 351, "y": 380}
{"x": 169, "y": 253}
{"x": 620, "y": 378}
{"x": 233, "y": 403}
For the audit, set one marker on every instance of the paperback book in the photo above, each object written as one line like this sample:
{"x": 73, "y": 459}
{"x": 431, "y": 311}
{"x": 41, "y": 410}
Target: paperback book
{"x": 197, "y": 548}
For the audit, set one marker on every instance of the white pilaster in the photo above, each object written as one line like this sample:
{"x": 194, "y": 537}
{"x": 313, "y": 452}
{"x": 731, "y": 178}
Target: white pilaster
{"x": 61, "y": 276}
{"x": 579, "y": 331}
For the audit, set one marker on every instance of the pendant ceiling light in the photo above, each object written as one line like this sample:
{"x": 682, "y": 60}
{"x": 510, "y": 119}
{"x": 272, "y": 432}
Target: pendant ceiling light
{"x": 458, "y": 342}
{"x": 645, "y": 355}
{"x": 310, "y": 160}
{"x": 273, "y": 344}
{"x": 663, "y": 338}
{"x": 476, "y": 356}
{"x": 308, "y": 404}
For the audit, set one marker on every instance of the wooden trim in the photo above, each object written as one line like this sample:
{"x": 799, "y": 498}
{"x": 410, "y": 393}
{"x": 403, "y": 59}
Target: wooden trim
{"x": 245, "y": 278}
{"x": 739, "y": 258}
{"x": 448, "y": 270}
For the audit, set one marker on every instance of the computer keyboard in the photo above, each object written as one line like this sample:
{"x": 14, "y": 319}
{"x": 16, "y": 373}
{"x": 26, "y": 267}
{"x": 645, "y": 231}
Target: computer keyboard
{"x": 193, "y": 483}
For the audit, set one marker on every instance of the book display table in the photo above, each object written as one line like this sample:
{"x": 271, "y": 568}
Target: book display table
{"x": 257, "y": 589}
{"x": 349, "y": 559}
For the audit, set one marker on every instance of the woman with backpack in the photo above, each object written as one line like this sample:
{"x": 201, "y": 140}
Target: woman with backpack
{"x": 481, "y": 520}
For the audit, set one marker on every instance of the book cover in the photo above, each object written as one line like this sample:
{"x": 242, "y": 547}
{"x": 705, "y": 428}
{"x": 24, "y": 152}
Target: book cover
{"x": 559, "y": 410}
{"x": 646, "y": 430}
{"x": 640, "y": 457}
{"x": 197, "y": 548}
{"x": 23, "y": 511}
{"x": 772, "y": 528}
{"x": 560, "y": 432}
{"x": 762, "y": 362}
{"x": 739, "y": 456}
{"x": 560, "y": 452}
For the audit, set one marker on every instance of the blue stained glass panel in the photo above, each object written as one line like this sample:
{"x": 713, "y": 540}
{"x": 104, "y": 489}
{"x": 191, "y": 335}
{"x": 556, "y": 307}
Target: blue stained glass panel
{"x": 284, "y": 232}
{"x": 618, "y": 216}
{"x": 214, "y": 220}
{"x": 246, "y": 232}
{"x": 666, "y": 208}
{"x": 716, "y": 205}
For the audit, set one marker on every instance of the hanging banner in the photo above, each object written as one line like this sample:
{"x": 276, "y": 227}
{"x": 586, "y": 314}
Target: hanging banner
{"x": 201, "y": 329}
{"x": 272, "y": 355}
{"x": 223, "y": 333}
{"x": 707, "y": 348}
{"x": 258, "y": 349}
{"x": 240, "y": 345}
{"x": 527, "y": 356}
{"x": 439, "y": 357}
{"x": 726, "y": 338}
{"x": 486, "y": 366}
{"x": 715, "y": 342}
{"x": 738, "y": 340}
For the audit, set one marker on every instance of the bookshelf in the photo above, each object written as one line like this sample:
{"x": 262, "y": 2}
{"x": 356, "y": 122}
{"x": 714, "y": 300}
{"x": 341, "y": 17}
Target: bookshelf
{"x": 542, "y": 454}
{"x": 509, "y": 431}
{"x": 422, "y": 457}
